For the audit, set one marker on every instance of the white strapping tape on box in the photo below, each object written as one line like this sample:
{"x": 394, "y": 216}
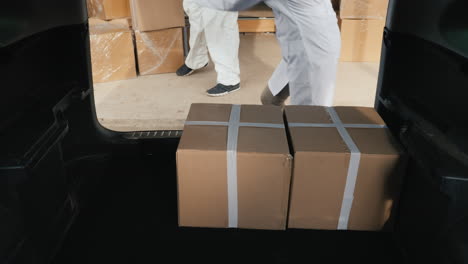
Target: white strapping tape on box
{"x": 354, "y": 162}
{"x": 233, "y": 136}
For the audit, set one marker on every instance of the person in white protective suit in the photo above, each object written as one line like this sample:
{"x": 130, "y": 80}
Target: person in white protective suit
{"x": 308, "y": 33}
{"x": 217, "y": 33}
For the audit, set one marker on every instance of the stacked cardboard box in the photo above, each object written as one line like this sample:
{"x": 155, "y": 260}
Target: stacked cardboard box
{"x": 112, "y": 50}
{"x": 111, "y": 39}
{"x": 158, "y": 26}
{"x": 108, "y": 9}
{"x": 234, "y": 168}
{"x": 154, "y": 31}
{"x": 362, "y": 24}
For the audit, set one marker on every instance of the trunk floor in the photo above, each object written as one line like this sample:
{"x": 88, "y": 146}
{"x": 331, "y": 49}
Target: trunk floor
{"x": 132, "y": 218}
{"x": 161, "y": 102}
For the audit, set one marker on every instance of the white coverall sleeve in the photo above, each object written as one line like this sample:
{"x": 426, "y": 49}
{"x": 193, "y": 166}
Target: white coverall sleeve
{"x": 228, "y": 5}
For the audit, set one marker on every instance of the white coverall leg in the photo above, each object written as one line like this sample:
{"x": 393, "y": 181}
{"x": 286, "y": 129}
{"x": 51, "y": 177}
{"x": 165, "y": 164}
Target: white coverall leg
{"x": 313, "y": 50}
{"x": 217, "y": 33}
{"x": 310, "y": 43}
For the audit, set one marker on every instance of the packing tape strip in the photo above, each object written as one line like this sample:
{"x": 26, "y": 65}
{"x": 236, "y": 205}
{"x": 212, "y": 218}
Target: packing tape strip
{"x": 206, "y": 123}
{"x": 261, "y": 125}
{"x": 334, "y": 125}
{"x": 233, "y": 125}
{"x": 353, "y": 170}
{"x": 216, "y": 123}
{"x": 233, "y": 137}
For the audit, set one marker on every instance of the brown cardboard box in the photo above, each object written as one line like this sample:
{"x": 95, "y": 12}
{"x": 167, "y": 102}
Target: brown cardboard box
{"x": 325, "y": 170}
{"x": 159, "y": 51}
{"x": 257, "y": 188}
{"x": 257, "y": 25}
{"x": 149, "y": 15}
{"x": 361, "y": 40}
{"x": 364, "y": 9}
{"x": 108, "y": 9}
{"x": 112, "y": 50}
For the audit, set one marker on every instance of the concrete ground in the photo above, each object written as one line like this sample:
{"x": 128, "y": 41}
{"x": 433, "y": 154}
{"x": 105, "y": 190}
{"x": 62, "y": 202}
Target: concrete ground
{"x": 161, "y": 102}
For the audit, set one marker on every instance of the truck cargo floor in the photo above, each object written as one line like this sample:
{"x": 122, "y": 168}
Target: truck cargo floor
{"x": 132, "y": 218}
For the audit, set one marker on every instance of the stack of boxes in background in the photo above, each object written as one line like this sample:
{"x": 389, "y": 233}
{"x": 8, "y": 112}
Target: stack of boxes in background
{"x": 362, "y": 23}
{"x": 147, "y": 36}
{"x": 135, "y": 35}
{"x": 108, "y": 9}
{"x": 158, "y": 26}
{"x": 112, "y": 50}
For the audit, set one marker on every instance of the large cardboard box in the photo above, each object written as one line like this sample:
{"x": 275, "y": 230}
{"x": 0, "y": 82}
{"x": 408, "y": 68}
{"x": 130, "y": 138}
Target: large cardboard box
{"x": 112, "y": 50}
{"x": 347, "y": 168}
{"x": 363, "y": 9}
{"x": 234, "y": 168}
{"x": 149, "y": 15}
{"x": 108, "y": 9}
{"x": 361, "y": 40}
{"x": 160, "y": 51}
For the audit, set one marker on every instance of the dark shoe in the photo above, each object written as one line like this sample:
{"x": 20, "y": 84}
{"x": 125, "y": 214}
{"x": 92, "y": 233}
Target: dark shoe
{"x": 220, "y": 89}
{"x": 268, "y": 98}
{"x": 184, "y": 70}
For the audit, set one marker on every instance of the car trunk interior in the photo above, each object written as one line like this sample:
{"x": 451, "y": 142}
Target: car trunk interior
{"x": 133, "y": 217}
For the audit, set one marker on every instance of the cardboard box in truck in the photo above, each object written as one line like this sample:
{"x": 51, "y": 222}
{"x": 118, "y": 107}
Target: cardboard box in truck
{"x": 347, "y": 168}
{"x": 234, "y": 168}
